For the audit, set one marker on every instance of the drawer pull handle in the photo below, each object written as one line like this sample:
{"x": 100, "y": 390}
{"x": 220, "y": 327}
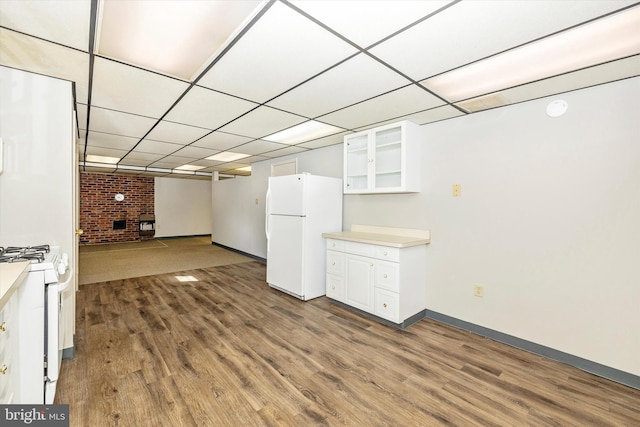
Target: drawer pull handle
{"x": 384, "y": 305}
{"x": 333, "y": 287}
{"x": 3, "y": 369}
{"x": 333, "y": 263}
{"x": 3, "y": 326}
{"x": 385, "y": 276}
{"x": 385, "y": 253}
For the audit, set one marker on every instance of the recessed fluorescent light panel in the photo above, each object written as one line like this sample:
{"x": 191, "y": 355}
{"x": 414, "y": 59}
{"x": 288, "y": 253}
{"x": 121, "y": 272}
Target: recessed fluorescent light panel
{"x": 227, "y": 156}
{"x": 102, "y": 159}
{"x": 174, "y": 37}
{"x": 244, "y": 169}
{"x": 190, "y": 167}
{"x": 303, "y": 132}
{"x": 607, "y": 39}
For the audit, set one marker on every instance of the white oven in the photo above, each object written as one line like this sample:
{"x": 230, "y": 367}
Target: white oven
{"x": 40, "y": 327}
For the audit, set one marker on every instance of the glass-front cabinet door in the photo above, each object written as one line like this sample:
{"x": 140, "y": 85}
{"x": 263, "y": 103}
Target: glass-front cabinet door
{"x": 383, "y": 160}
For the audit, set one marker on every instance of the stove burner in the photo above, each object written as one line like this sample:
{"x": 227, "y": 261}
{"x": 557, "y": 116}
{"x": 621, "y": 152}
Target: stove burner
{"x": 23, "y": 253}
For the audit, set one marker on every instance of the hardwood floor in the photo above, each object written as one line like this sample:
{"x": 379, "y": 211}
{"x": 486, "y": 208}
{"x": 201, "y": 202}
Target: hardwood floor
{"x": 227, "y": 350}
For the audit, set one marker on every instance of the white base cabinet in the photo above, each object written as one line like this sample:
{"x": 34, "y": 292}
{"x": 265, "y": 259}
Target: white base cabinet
{"x": 388, "y": 282}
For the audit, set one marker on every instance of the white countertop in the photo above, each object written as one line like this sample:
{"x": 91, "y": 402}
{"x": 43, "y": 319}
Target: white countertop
{"x": 11, "y": 276}
{"x": 384, "y": 236}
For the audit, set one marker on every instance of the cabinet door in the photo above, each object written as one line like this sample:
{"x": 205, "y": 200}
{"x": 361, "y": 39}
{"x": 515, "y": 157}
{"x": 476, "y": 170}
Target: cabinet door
{"x": 388, "y": 159}
{"x": 359, "y": 282}
{"x": 357, "y": 162}
{"x": 335, "y": 287}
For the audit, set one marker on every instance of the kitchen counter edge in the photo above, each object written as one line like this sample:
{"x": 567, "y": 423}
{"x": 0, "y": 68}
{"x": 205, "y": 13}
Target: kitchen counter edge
{"x": 12, "y": 275}
{"x": 390, "y": 240}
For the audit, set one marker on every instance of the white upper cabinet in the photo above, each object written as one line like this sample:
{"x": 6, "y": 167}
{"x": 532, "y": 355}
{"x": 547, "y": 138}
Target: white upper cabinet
{"x": 385, "y": 159}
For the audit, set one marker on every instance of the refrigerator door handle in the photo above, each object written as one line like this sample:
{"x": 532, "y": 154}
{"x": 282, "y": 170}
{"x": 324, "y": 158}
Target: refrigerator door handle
{"x": 266, "y": 217}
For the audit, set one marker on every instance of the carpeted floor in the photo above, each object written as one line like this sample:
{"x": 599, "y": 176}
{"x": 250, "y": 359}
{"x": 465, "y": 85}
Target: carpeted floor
{"x": 113, "y": 261}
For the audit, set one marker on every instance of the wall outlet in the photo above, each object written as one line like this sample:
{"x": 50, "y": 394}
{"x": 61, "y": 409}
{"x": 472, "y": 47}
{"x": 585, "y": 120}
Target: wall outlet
{"x": 478, "y": 290}
{"x": 456, "y": 190}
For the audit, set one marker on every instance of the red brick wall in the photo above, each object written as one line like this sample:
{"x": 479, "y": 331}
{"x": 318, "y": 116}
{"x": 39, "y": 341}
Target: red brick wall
{"x": 98, "y": 207}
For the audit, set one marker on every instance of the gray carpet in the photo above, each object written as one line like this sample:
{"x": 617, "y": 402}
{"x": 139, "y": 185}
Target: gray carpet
{"x": 113, "y": 261}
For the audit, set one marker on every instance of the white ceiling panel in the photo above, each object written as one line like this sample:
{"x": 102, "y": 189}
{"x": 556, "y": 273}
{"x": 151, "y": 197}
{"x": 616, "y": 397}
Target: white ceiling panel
{"x": 261, "y": 122}
{"x": 433, "y": 115}
{"x": 611, "y": 71}
{"x": 221, "y": 141}
{"x": 477, "y": 29}
{"x": 324, "y": 142}
{"x": 341, "y": 86}
{"x": 207, "y": 108}
{"x": 176, "y": 133}
{"x": 50, "y": 20}
{"x": 281, "y": 50}
{"x": 107, "y": 140}
{"x": 285, "y": 151}
{"x": 42, "y": 57}
{"x": 196, "y": 152}
{"x": 408, "y": 100}
{"x": 119, "y": 123}
{"x": 172, "y": 162}
{"x": 148, "y": 146}
{"x": 142, "y": 158}
{"x": 132, "y": 90}
{"x": 103, "y": 151}
{"x": 367, "y": 22}
{"x": 257, "y": 147}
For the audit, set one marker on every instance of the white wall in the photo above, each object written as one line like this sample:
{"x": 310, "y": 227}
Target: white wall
{"x": 182, "y": 207}
{"x": 548, "y": 221}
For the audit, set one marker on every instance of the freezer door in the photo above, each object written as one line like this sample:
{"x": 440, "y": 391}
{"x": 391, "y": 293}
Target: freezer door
{"x": 285, "y": 253}
{"x": 285, "y": 195}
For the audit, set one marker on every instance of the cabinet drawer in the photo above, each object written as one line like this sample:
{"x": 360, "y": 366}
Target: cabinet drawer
{"x": 387, "y": 253}
{"x": 359, "y": 248}
{"x": 335, "y": 263}
{"x": 387, "y": 275}
{"x": 335, "y": 287}
{"x": 335, "y": 245}
{"x": 386, "y": 305}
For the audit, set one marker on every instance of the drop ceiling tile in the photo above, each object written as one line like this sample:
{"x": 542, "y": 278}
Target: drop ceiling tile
{"x": 611, "y": 71}
{"x": 102, "y": 151}
{"x": 157, "y": 147}
{"x": 107, "y": 140}
{"x": 145, "y": 158}
{"x": 281, "y": 50}
{"x": 221, "y": 141}
{"x": 408, "y": 100}
{"x": 119, "y": 123}
{"x": 49, "y": 20}
{"x": 133, "y": 162}
{"x": 433, "y": 115}
{"x": 170, "y": 163}
{"x": 257, "y": 147}
{"x": 285, "y": 151}
{"x": 325, "y": 141}
{"x": 42, "y": 57}
{"x": 197, "y": 152}
{"x": 131, "y": 90}
{"x": 366, "y": 22}
{"x": 261, "y": 122}
{"x": 477, "y": 29}
{"x": 355, "y": 80}
{"x": 176, "y": 133}
{"x": 208, "y": 109}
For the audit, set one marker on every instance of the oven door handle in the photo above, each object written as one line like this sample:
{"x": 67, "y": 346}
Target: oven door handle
{"x": 64, "y": 285}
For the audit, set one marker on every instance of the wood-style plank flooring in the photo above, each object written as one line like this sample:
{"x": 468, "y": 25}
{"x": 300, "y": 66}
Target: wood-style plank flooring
{"x": 227, "y": 350}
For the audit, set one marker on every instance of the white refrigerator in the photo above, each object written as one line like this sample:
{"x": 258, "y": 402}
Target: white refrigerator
{"x": 299, "y": 208}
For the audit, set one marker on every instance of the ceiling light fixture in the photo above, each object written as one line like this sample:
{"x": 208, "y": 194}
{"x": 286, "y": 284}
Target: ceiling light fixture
{"x": 190, "y": 167}
{"x": 102, "y": 159}
{"x": 303, "y": 132}
{"x": 227, "y": 156}
{"x": 607, "y": 39}
{"x": 177, "y": 38}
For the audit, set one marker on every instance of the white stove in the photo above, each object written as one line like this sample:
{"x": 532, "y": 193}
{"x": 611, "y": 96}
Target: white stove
{"x": 40, "y": 320}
